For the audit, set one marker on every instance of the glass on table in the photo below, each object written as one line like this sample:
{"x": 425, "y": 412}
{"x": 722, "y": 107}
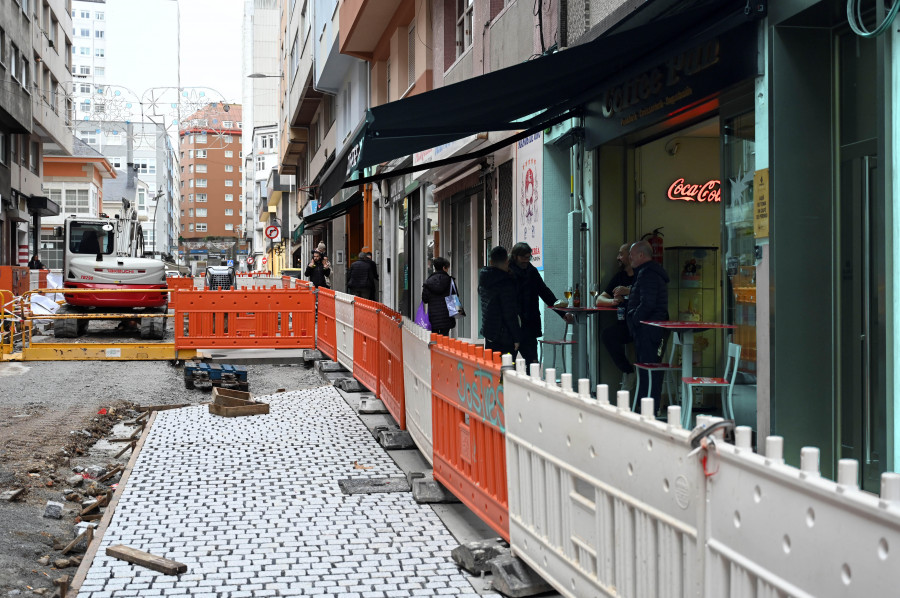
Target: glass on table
{"x": 568, "y": 293}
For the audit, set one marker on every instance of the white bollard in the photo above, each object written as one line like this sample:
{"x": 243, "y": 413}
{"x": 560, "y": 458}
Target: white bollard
{"x": 550, "y": 376}
{"x": 584, "y": 388}
{"x": 673, "y": 413}
{"x": 520, "y": 365}
{"x": 809, "y": 460}
{"x": 506, "y": 360}
{"x": 848, "y": 473}
{"x": 647, "y": 411}
{"x": 622, "y": 401}
{"x": 775, "y": 449}
{"x": 890, "y": 486}
{"x": 603, "y": 394}
{"x": 535, "y": 371}
{"x": 566, "y": 380}
{"x": 743, "y": 437}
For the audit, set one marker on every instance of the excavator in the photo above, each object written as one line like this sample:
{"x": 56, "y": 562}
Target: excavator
{"x": 103, "y": 253}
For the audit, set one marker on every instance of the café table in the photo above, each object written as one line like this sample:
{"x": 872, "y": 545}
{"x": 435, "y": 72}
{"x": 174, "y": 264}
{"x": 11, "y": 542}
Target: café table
{"x": 685, "y": 332}
{"x": 580, "y": 314}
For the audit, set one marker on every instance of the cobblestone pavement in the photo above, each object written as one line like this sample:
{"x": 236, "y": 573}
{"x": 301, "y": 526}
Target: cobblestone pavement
{"x": 252, "y": 506}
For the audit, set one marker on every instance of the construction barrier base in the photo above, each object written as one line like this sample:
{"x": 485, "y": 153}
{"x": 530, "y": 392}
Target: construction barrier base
{"x": 101, "y": 352}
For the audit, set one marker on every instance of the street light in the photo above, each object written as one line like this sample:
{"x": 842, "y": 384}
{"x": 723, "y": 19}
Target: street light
{"x": 262, "y": 76}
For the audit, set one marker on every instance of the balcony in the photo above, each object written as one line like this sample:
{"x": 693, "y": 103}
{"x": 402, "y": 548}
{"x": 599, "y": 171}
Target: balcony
{"x": 362, "y": 23}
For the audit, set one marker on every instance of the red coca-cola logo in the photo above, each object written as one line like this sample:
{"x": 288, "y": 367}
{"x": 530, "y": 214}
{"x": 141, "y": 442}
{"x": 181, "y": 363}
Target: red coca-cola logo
{"x": 709, "y": 192}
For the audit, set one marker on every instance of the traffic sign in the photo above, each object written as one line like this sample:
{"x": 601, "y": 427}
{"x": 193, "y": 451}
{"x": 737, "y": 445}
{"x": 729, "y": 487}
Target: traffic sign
{"x": 264, "y": 260}
{"x": 271, "y": 232}
{"x": 231, "y": 263}
{"x": 249, "y": 260}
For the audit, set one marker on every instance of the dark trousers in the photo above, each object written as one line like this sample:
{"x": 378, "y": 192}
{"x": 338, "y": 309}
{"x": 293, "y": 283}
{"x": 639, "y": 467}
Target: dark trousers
{"x": 502, "y": 348}
{"x": 441, "y": 331}
{"x": 615, "y": 338}
{"x": 528, "y": 349}
{"x": 649, "y": 342}
{"x": 364, "y": 292}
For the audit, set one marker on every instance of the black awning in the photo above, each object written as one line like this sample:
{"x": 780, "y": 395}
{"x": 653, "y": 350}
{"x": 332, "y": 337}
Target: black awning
{"x": 330, "y": 213}
{"x": 43, "y": 206}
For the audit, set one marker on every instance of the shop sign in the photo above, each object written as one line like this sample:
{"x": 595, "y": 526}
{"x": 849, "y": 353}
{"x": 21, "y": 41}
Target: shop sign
{"x": 761, "y": 203}
{"x": 529, "y": 195}
{"x": 708, "y": 192}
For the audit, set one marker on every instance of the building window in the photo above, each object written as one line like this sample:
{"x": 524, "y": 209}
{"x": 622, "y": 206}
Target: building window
{"x": 229, "y": 197}
{"x": 201, "y": 212}
{"x": 201, "y": 182}
{"x": 100, "y": 71}
{"x": 229, "y": 212}
{"x": 229, "y": 183}
{"x": 85, "y": 33}
{"x": 98, "y": 33}
{"x": 201, "y": 167}
{"x": 295, "y": 55}
{"x": 200, "y": 154}
{"x": 387, "y": 71}
{"x": 314, "y": 136}
{"x": 229, "y": 168}
{"x": 191, "y": 227}
{"x": 84, "y": 70}
{"x": 201, "y": 137}
{"x": 201, "y": 227}
{"x": 99, "y": 52}
{"x": 85, "y": 14}
{"x": 229, "y": 138}
{"x": 84, "y": 50}
{"x": 191, "y": 197}
{"x": 182, "y": 228}
{"x": 190, "y": 183}
{"x": 464, "y": 10}
{"x": 14, "y": 64}
{"x": 51, "y": 250}
{"x": 2, "y": 46}
{"x": 146, "y": 167}
{"x": 227, "y": 124}
{"x": 77, "y": 202}
{"x": 260, "y": 163}
{"x": 190, "y": 212}
{"x": 229, "y": 154}
{"x": 4, "y": 149}
{"x": 98, "y": 16}
{"x": 85, "y": 88}
{"x": 34, "y": 157}
{"x": 201, "y": 197}
{"x": 229, "y": 226}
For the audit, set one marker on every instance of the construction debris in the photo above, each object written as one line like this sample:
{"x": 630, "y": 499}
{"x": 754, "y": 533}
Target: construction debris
{"x": 145, "y": 559}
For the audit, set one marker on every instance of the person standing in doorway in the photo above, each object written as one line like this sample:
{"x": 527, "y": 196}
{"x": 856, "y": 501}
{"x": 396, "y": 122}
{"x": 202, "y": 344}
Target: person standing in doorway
{"x": 359, "y": 277}
{"x": 499, "y": 304}
{"x": 530, "y": 287}
{"x": 648, "y": 301}
{"x": 435, "y": 290}
{"x": 615, "y": 337}
{"x": 373, "y": 275}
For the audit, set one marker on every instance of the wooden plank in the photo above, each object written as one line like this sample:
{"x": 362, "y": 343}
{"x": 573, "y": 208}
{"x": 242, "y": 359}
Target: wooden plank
{"x": 224, "y": 411}
{"x": 162, "y": 407}
{"x": 145, "y": 559}
{"x": 111, "y": 472}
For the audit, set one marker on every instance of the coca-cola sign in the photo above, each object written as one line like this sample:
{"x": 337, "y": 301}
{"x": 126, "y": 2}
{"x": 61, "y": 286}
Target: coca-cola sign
{"x": 708, "y": 192}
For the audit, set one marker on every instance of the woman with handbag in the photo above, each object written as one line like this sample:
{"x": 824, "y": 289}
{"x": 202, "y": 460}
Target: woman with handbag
{"x": 438, "y": 293}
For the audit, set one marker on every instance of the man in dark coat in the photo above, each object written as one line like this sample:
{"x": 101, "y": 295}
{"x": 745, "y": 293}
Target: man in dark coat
{"x": 648, "y": 301}
{"x": 373, "y": 275}
{"x": 499, "y": 305}
{"x": 615, "y": 337}
{"x": 318, "y": 270}
{"x": 530, "y": 286}
{"x": 435, "y": 289}
{"x": 35, "y": 263}
{"x": 359, "y": 277}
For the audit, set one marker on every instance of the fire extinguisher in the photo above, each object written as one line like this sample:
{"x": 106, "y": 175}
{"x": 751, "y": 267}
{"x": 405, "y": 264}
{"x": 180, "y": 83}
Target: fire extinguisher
{"x": 656, "y": 244}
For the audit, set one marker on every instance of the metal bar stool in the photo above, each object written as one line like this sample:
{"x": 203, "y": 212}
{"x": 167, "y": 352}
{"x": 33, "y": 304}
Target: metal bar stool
{"x": 557, "y": 344}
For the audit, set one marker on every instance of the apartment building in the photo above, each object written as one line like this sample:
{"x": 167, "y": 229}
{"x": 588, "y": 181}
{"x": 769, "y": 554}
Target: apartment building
{"x": 89, "y": 59}
{"x": 211, "y": 174}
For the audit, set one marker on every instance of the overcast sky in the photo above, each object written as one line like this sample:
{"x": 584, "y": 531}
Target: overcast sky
{"x": 141, "y": 45}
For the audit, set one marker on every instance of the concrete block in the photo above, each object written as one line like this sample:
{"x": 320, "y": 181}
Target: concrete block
{"x": 11, "y": 495}
{"x": 75, "y": 480}
{"x": 312, "y": 355}
{"x": 393, "y": 440}
{"x": 373, "y": 485}
{"x": 329, "y": 366}
{"x": 512, "y": 577}
{"x": 350, "y": 385}
{"x": 431, "y": 491}
{"x": 475, "y": 557}
{"x": 53, "y": 510}
{"x": 371, "y": 407}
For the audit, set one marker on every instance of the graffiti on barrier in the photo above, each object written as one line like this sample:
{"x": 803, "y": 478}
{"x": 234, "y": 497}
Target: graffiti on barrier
{"x": 481, "y": 396}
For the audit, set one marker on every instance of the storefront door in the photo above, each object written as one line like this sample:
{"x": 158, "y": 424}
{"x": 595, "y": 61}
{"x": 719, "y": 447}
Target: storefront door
{"x": 860, "y": 362}
{"x": 461, "y": 260}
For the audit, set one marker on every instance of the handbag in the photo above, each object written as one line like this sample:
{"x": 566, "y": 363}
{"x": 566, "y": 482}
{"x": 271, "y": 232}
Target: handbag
{"x": 454, "y": 305}
{"x": 422, "y": 317}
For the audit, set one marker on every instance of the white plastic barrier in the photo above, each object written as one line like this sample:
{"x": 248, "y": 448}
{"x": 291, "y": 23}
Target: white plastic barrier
{"x": 267, "y": 282}
{"x": 417, "y": 386}
{"x": 343, "y": 316}
{"x": 602, "y": 502}
{"x": 775, "y": 530}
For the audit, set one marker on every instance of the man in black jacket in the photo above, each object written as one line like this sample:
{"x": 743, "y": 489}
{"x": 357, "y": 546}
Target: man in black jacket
{"x": 648, "y": 301}
{"x": 499, "y": 313}
{"x": 359, "y": 277}
{"x": 435, "y": 289}
{"x": 530, "y": 287}
{"x": 318, "y": 270}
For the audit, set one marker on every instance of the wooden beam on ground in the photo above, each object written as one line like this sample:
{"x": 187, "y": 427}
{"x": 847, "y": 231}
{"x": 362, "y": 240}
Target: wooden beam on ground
{"x": 111, "y": 472}
{"x": 162, "y": 407}
{"x": 145, "y": 559}
{"x": 130, "y": 445}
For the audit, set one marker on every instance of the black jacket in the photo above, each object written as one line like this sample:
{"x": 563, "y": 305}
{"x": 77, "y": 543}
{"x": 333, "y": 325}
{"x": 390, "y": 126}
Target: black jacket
{"x": 530, "y": 287}
{"x": 435, "y": 288}
{"x": 34, "y": 264}
{"x": 649, "y": 297}
{"x": 360, "y": 275}
{"x": 317, "y": 273}
{"x": 499, "y": 320}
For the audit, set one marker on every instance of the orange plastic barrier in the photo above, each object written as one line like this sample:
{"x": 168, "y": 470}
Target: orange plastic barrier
{"x": 390, "y": 364}
{"x": 16, "y": 279}
{"x": 245, "y": 319}
{"x": 177, "y": 282}
{"x": 326, "y": 329}
{"x": 469, "y": 428}
{"x": 42, "y": 278}
{"x": 365, "y": 342}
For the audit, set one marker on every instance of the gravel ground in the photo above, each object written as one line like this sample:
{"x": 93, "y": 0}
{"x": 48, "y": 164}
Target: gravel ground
{"x": 41, "y": 404}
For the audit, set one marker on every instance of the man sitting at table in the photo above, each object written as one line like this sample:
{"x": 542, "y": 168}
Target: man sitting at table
{"x": 648, "y": 301}
{"x": 615, "y": 337}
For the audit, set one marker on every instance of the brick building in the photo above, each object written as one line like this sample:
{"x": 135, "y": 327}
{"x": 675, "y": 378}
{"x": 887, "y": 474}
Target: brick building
{"x": 211, "y": 187}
